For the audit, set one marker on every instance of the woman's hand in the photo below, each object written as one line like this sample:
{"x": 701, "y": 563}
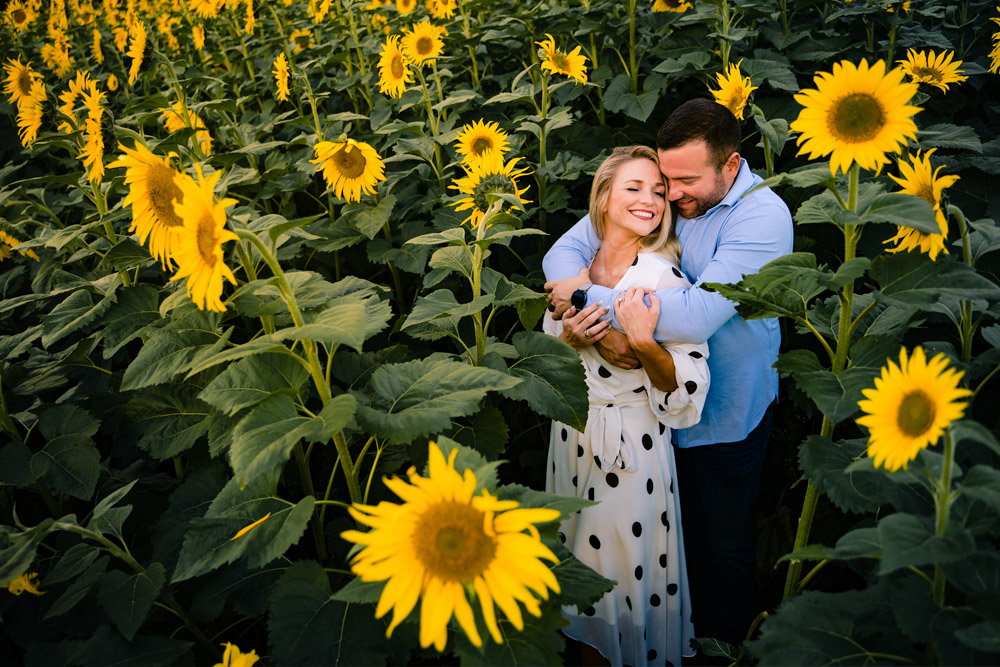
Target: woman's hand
{"x": 561, "y": 290}
{"x": 581, "y": 329}
{"x": 638, "y": 321}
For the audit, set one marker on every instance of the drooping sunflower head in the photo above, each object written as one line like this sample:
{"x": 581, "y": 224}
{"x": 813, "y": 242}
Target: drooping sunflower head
{"x": 281, "y": 74}
{"x": 393, "y": 69}
{"x": 137, "y": 39}
{"x": 937, "y": 69}
{"x": 198, "y": 36}
{"x": 734, "y": 90}
{"x": 442, "y": 9}
{"x": 30, "y": 113}
{"x": 349, "y": 167}
{"x": 920, "y": 178}
{"x": 26, "y": 582}
{"x": 423, "y": 42}
{"x": 572, "y": 64}
{"x": 478, "y": 139}
{"x": 233, "y": 657}
{"x": 856, "y": 114}
{"x": 153, "y": 191}
{"x": 490, "y": 176}
{"x": 8, "y": 242}
{"x": 910, "y": 407}
{"x": 112, "y": 82}
{"x": 93, "y": 149}
{"x": 300, "y": 39}
{"x": 444, "y": 541}
{"x": 18, "y": 78}
{"x": 95, "y": 46}
{"x": 197, "y": 247}
{"x": 20, "y": 15}
{"x": 678, "y": 6}
{"x": 69, "y": 99}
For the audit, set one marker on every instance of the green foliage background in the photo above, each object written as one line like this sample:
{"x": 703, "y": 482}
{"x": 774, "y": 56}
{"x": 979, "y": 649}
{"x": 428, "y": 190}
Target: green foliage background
{"x": 138, "y": 434}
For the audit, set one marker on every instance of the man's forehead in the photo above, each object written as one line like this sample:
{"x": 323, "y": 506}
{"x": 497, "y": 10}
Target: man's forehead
{"x": 690, "y": 158}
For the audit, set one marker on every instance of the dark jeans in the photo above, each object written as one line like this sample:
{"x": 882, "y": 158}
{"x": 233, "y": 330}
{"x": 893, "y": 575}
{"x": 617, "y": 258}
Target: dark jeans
{"x": 718, "y": 488}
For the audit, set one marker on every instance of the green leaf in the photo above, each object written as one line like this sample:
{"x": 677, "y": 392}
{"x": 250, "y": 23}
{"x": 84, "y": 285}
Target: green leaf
{"x": 167, "y": 354}
{"x": 848, "y": 272}
{"x": 619, "y": 98}
{"x": 442, "y": 303}
{"x": 171, "y": 418}
{"x": 825, "y": 465}
{"x": 773, "y": 72}
{"x": 77, "y": 311}
{"x": 137, "y": 308}
{"x": 567, "y": 505}
{"x": 256, "y": 346}
{"x": 417, "y": 398}
{"x": 110, "y": 649}
{"x": 912, "y": 279}
{"x": 253, "y": 379}
{"x": 368, "y": 219}
{"x": 982, "y": 483}
{"x": 16, "y": 558}
{"x": 469, "y": 459}
{"x": 909, "y": 540}
{"x": 69, "y": 462}
{"x": 784, "y": 287}
{"x": 554, "y": 381}
{"x": 336, "y": 415}
{"x": 455, "y": 235}
{"x": 263, "y": 440}
{"x": 209, "y": 541}
{"x": 825, "y": 208}
{"x": 580, "y": 585}
{"x": 858, "y": 543}
{"x": 128, "y": 598}
{"x": 487, "y": 433}
{"x": 904, "y": 210}
{"x": 110, "y": 500}
{"x": 945, "y": 135}
{"x": 360, "y": 591}
{"x": 307, "y": 626}
{"x": 836, "y": 396}
{"x": 453, "y": 258}
{"x": 975, "y": 432}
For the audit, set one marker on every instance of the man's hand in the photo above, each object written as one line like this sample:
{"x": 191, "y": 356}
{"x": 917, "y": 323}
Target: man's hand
{"x": 561, "y": 290}
{"x": 616, "y": 351}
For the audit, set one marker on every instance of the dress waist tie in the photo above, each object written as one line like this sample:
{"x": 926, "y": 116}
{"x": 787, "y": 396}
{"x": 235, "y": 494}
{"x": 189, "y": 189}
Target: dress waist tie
{"x": 607, "y": 438}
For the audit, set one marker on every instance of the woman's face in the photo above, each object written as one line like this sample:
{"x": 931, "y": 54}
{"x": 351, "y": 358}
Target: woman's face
{"x": 637, "y": 198}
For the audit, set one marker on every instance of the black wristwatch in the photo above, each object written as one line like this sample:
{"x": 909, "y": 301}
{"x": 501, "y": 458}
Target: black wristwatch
{"x": 579, "y": 298}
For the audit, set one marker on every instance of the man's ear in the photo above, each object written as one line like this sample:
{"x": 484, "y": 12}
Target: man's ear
{"x": 732, "y": 164}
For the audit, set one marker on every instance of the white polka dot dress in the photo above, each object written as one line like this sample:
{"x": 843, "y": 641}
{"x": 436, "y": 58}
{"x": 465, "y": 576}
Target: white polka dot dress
{"x": 624, "y": 460}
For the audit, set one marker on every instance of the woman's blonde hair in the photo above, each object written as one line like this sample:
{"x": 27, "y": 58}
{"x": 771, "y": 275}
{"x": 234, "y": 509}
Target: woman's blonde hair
{"x": 663, "y": 239}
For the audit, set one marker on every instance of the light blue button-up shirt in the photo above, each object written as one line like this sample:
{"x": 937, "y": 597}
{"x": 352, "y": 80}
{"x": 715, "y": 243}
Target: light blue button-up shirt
{"x": 734, "y": 238}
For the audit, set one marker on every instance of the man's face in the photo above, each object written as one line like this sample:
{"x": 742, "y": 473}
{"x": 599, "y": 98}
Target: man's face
{"x": 695, "y": 185}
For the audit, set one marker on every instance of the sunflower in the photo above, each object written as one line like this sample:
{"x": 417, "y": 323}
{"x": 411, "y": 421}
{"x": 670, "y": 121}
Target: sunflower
{"x": 444, "y": 541}
{"x": 152, "y": 193}
{"x": 19, "y": 15}
{"x": 18, "y": 78}
{"x": 281, "y": 76}
{"x": 679, "y": 6}
{"x": 995, "y": 53}
{"x": 442, "y": 9}
{"x": 393, "y": 73}
{"x": 198, "y": 36}
{"x": 136, "y": 50}
{"x": 173, "y": 118}
{"x": 571, "y": 64}
{"x": 490, "y": 175}
{"x": 734, "y": 90}
{"x": 405, "y": 6}
{"x": 251, "y": 20}
{"x": 8, "y": 243}
{"x": 300, "y": 39}
{"x": 857, "y": 113}
{"x": 479, "y": 138}
{"x": 26, "y": 582}
{"x": 29, "y": 113}
{"x": 423, "y": 42}
{"x": 112, "y": 82}
{"x": 910, "y": 407}
{"x": 233, "y": 657}
{"x": 935, "y": 69}
{"x": 205, "y": 9}
{"x": 95, "y": 46}
{"x": 77, "y": 87}
{"x": 121, "y": 38}
{"x": 197, "y": 246}
{"x": 56, "y": 55}
{"x": 922, "y": 180}
{"x": 93, "y": 149}
{"x": 349, "y": 167}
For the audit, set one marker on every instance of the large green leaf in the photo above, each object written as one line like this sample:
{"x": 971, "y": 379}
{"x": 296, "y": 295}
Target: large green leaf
{"x": 167, "y": 354}
{"x": 825, "y": 465}
{"x": 912, "y": 279}
{"x": 580, "y": 585}
{"x": 836, "y": 396}
{"x": 19, "y": 554}
{"x": 909, "y": 540}
{"x": 417, "y": 398}
{"x": 209, "y": 542}
{"x": 307, "y": 626}
{"x": 341, "y": 323}
{"x": 553, "y": 379}
{"x": 263, "y": 440}
{"x": 137, "y": 307}
{"x": 784, "y": 287}
{"x": 253, "y": 379}
{"x": 75, "y": 312}
{"x": 442, "y": 303}
{"x": 902, "y": 209}
{"x": 69, "y": 462}
{"x": 128, "y": 597}
{"x": 486, "y": 432}
{"x": 858, "y": 543}
{"x": 171, "y": 418}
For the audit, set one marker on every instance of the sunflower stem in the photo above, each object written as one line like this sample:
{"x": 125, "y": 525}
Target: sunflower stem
{"x": 633, "y": 69}
{"x": 477, "y": 271}
{"x": 942, "y": 505}
{"x": 967, "y": 331}
{"x": 467, "y": 33}
{"x": 312, "y": 105}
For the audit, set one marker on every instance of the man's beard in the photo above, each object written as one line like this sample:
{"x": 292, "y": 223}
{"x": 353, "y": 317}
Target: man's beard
{"x": 702, "y": 206}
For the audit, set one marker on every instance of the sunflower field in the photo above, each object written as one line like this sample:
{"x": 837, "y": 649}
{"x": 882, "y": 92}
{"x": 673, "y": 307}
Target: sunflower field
{"x": 273, "y": 385}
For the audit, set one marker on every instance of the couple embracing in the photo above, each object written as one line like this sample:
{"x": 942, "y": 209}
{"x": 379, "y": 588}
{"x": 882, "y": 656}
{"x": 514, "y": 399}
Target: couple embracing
{"x": 681, "y": 388}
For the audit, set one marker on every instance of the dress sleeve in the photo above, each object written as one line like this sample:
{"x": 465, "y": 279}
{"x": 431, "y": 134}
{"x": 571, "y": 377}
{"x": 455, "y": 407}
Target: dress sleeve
{"x": 682, "y": 407}
{"x": 550, "y": 326}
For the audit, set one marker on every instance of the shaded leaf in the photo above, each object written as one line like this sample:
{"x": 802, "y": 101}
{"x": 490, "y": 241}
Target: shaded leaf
{"x": 128, "y": 597}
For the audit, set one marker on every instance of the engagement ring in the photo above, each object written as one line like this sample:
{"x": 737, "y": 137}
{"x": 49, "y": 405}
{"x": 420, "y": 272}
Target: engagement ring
{"x": 620, "y": 299}
{"x": 586, "y": 333}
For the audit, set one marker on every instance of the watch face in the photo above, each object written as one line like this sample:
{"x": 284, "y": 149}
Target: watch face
{"x": 579, "y": 299}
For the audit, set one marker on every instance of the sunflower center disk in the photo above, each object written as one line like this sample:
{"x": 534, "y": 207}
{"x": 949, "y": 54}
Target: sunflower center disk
{"x": 450, "y": 542}
{"x": 206, "y": 239}
{"x": 162, "y": 193}
{"x": 18, "y": 15}
{"x": 350, "y": 162}
{"x": 857, "y": 118}
{"x": 397, "y": 67}
{"x": 561, "y": 62}
{"x": 424, "y": 46}
{"x": 927, "y": 72}
{"x": 492, "y": 185}
{"x": 24, "y": 82}
{"x": 916, "y": 414}
{"x": 481, "y": 145}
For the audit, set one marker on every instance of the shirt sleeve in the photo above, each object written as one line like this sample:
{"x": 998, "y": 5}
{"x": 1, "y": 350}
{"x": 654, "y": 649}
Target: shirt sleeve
{"x": 682, "y": 407}
{"x": 761, "y": 233}
{"x": 573, "y": 251}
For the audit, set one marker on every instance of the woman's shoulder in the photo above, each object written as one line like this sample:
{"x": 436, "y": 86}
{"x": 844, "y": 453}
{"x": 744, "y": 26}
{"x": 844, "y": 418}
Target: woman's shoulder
{"x": 663, "y": 269}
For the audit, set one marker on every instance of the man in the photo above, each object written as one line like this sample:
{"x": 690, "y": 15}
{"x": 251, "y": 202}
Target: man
{"x": 723, "y": 236}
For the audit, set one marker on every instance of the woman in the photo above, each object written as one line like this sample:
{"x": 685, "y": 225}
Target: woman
{"x": 624, "y": 458}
